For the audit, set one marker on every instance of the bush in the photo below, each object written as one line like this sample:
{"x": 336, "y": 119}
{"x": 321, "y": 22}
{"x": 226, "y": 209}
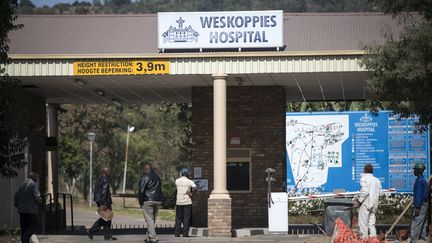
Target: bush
{"x": 306, "y": 207}
{"x": 169, "y": 190}
{"x": 390, "y": 206}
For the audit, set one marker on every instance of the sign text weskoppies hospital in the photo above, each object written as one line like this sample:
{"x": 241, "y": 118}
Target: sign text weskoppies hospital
{"x": 194, "y": 30}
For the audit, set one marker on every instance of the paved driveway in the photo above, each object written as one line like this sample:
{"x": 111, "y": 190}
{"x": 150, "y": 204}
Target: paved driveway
{"x": 87, "y": 217}
{"x": 169, "y": 238}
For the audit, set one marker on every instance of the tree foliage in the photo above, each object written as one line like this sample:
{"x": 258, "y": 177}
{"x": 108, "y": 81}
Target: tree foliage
{"x": 153, "y": 6}
{"x": 8, "y": 87}
{"x": 336, "y": 106}
{"x": 402, "y": 66}
{"x": 159, "y": 138}
{"x": 75, "y": 123}
{"x": 396, "y": 7}
{"x": 26, "y": 6}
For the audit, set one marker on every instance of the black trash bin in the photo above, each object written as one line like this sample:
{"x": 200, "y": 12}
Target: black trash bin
{"x": 54, "y": 221}
{"x": 337, "y": 208}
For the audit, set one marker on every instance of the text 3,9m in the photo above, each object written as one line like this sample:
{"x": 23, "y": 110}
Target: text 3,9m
{"x": 151, "y": 67}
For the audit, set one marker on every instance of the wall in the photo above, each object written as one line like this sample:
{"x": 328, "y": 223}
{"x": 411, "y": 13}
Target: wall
{"x": 31, "y": 119}
{"x": 257, "y": 116}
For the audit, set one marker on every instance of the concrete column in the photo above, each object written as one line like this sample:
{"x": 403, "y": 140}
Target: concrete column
{"x": 52, "y": 155}
{"x": 219, "y": 134}
{"x": 219, "y": 203}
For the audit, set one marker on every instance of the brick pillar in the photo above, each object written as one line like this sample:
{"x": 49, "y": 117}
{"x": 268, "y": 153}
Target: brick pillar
{"x": 219, "y": 217}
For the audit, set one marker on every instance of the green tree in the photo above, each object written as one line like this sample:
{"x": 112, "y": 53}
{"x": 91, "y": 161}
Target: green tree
{"x": 183, "y": 112}
{"x": 62, "y": 8}
{"x": 26, "y": 7}
{"x": 161, "y": 137}
{"x": 167, "y": 134}
{"x": 72, "y": 157}
{"x": 402, "y": 67}
{"x": 8, "y": 88}
{"x": 26, "y": 3}
{"x": 118, "y": 2}
{"x": 153, "y": 6}
{"x": 75, "y": 123}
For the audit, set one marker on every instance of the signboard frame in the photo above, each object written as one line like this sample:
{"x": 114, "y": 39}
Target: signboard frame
{"x": 192, "y": 30}
{"x": 364, "y": 141}
{"x": 121, "y": 67}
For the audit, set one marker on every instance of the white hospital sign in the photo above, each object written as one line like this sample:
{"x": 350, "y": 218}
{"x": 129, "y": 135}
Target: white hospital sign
{"x": 244, "y": 29}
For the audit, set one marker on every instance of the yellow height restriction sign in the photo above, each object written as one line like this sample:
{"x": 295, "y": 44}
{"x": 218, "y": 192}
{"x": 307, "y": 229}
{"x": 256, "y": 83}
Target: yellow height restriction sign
{"x": 120, "y": 67}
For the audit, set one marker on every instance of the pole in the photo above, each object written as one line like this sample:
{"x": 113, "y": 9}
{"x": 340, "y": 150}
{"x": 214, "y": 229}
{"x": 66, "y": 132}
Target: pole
{"x": 126, "y": 160}
{"x": 52, "y": 156}
{"x": 398, "y": 218}
{"x": 268, "y": 190}
{"x": 91, "y": 173}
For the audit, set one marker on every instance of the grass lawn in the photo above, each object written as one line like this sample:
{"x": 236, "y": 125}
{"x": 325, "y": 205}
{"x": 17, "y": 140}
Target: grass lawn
{"x": 164, "y": 214}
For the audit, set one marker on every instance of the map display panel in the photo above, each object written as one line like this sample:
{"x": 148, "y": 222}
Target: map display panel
{"x": 327, "y": 151}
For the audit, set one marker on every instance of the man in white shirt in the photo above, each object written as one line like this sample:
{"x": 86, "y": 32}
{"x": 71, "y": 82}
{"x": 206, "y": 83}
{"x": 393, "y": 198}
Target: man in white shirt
{"x": 185, "y": 189}
{"x": 368, "y": 202}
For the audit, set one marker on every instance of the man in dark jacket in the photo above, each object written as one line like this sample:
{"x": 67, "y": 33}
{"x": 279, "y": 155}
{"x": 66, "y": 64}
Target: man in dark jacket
{"x": 27, "y": 200}
{"x": 102, "y": 197}
{"x": 150, "y": 198}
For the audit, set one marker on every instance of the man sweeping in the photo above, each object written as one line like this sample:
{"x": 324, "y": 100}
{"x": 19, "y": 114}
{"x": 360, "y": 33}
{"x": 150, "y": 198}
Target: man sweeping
{"x": 368, "y": 202}
{"x": 421, "y": 191}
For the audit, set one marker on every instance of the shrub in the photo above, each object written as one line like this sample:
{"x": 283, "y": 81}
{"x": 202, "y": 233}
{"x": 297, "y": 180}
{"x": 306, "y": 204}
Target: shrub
{"x": 391, "y": 205}
{"x": 169, "y": 189}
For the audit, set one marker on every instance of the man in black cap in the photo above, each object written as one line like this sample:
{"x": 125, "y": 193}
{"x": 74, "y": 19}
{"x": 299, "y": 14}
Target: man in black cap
{"x": 185, "y": 188}
{"x": 421, "y": 192}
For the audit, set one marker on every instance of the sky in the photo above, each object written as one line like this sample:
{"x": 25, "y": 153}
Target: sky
{"x": 40, "y": 3}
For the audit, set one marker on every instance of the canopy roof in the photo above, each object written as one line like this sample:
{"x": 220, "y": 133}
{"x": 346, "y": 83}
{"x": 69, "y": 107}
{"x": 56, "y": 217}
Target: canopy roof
{"x": 320, "y": 60}
{"x": 137, "y": 34}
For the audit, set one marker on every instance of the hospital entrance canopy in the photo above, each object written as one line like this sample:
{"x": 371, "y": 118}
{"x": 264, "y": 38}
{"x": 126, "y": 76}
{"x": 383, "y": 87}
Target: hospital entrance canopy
{"x": 319, "y": 59}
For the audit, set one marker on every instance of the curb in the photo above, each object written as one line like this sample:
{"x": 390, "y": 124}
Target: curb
{"x": 34, "y": 239}
{"x": 249, "y": 232}
{"x": 198, "y": 232}
{"x": 246, "y": 232}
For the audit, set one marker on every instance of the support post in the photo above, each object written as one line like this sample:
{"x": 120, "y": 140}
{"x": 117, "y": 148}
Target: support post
{"x": 219, "y": 202}
{"x": 126, "y": 160}
{"x": 91, "y": 175}
{"x": 53, "y": 155}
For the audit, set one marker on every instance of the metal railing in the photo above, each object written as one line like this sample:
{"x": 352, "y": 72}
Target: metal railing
{"x": 167, "y": 200}
{"x": 44, "y": 202}
{"x": 63, "y": 210}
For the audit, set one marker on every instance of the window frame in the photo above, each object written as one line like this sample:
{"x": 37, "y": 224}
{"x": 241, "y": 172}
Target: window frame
{"x": 240, "y": 160}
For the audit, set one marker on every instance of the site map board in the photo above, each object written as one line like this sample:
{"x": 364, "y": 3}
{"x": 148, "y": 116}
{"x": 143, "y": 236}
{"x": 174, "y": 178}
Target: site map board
{"x": 327, "y": 151}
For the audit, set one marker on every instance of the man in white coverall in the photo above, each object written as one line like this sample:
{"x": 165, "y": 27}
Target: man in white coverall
{"x": 368, "y": 202}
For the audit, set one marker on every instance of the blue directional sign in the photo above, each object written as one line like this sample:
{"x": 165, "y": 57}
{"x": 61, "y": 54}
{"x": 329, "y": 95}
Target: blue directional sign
{"x": 326, "y": 151}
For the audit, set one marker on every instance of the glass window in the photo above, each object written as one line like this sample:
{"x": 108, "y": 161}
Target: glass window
{"x": 238, "y": 176}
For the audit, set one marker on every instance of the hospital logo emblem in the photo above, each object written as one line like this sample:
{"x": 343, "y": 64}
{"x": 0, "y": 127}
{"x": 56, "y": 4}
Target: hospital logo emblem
{"x": 366, "y": 118}
{"x": 180, "y": 33}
